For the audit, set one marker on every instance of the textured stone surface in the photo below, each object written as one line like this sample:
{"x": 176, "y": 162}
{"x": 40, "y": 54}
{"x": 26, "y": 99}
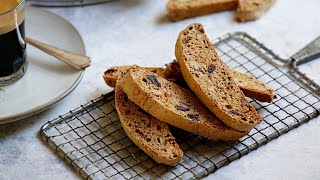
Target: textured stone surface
{"x": 137, "y": 31}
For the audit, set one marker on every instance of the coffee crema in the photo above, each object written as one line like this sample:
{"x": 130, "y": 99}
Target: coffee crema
{"x": 8, "y": 21}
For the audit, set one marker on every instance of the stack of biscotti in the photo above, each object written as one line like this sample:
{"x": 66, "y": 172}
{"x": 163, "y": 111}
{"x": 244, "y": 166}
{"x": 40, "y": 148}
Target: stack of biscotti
{"x": 214, "y": 105}
{"x": 174, "y": 105}
{"x": 250, "y": 86}
{"x": 246, "y": 10}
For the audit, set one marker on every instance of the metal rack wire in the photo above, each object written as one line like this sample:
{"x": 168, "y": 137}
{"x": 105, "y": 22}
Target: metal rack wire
{"x": 92, "y": 140}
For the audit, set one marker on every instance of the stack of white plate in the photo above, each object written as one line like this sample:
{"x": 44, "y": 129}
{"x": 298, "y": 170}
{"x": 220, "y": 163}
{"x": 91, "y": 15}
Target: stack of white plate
{"x": 64, "y": 2}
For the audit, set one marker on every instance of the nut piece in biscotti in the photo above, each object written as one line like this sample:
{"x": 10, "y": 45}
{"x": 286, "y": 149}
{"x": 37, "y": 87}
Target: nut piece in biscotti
{"x": 250, "y": 86}
{"x": 249, "y": 10}
{"x": 174, "y": 105}
{"x": 182, "y": 9}
{"x": 148, "y": 133}
{"x": 210, "y": 79}
{"x": 114, "y": 73}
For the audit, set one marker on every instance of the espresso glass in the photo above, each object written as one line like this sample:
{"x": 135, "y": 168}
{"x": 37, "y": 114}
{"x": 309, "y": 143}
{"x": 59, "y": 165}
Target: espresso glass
{"x": 13, "y": 64}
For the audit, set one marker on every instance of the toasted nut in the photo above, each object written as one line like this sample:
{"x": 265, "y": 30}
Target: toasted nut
{"x": 196, "y": 65}
{"x": 161, "y": 140}
{"x": 146, "y": 120}
{"x": 199, "y": 36}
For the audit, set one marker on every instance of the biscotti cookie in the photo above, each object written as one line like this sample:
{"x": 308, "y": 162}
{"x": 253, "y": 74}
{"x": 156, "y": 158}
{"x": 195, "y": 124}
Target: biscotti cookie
{"x": 114, "y": 73}
{"x": 148, "y": 133}
{"x": 182, "y": 9}
{"x": 250, "y": 86}
{"x": 249, "y": 10}
{"x": 174, "y": 105}
{"x": 210, "y": 79}
{"x": 253, "y": 88}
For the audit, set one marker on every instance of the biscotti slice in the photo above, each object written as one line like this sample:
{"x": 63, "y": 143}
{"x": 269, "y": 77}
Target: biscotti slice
{"x": 174, "y": 105}
{"x": 114, "y": 73}
{"x": 182, "y": 9}
{"x": 249, "y": 10}
{"x": 253, "y": 88}
{"x": 210, "y": 79}
{"x": 148, "y": 133}
{"x": 250, "y": 86}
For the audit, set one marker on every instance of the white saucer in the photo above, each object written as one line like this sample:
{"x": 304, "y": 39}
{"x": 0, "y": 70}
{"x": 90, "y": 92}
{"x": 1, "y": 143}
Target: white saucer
{"x": 47, "y": 79}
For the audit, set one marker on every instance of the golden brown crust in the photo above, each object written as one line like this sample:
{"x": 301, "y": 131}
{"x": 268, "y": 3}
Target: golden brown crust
{"x": 182, "y": 9}
{"x": 210, "y": 79}
{"x": 174, "y": 105}
{"x": 249, "y": 10}
{"x": 148, "y": 133}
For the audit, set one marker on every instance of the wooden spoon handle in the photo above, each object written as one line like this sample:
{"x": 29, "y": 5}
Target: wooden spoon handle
{"x": 76, "y": 60}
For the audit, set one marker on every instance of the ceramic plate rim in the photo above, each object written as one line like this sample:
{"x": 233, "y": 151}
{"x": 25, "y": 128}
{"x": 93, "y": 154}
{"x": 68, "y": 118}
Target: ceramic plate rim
{"x": 48, "y": 104}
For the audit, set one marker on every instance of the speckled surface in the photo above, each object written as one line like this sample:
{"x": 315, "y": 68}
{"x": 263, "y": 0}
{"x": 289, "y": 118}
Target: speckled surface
{"x": 137, "y": 31}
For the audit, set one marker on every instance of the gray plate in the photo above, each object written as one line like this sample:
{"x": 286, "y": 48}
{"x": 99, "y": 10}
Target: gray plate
{"x": 47, "y": 80}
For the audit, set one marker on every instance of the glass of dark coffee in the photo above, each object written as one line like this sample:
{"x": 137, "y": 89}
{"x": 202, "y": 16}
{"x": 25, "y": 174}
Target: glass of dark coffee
{"x": 13, "y": 64}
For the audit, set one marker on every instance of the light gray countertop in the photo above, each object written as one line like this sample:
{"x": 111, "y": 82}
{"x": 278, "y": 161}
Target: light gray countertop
{"x": 137, "y": 32}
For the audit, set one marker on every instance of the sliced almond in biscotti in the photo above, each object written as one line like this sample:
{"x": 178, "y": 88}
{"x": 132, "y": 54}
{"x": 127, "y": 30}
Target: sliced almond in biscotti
{"x": 249, "y": 10}
{"x": 250, "y": 86}
{"x": 210, "y": 79}
{"x": 182, "y": 9}
{"x": 148, "y": 133}
{"x": 174, "y": 105}
{"x": 114, "y": 73}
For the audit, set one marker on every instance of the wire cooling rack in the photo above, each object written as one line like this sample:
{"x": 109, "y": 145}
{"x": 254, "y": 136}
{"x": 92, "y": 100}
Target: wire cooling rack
{"x": 92, "y": 140}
